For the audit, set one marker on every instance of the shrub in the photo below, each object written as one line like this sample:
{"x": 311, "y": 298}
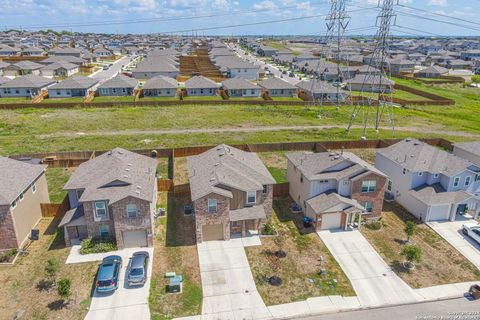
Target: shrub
{"x": 51, "y": 268}
{"x": 64, "y": 288}
{"x": 412, "y": 253}
{"x": 476, "y": 78}
{"x": 269, "y": 229}
{"x": 97, "y": 246}
{"x": 8, "y": 255}
{"x": 410, "y": 229}
{"x": 374, "y": 225}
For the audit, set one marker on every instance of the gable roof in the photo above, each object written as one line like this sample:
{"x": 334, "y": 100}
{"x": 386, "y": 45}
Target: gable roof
{"x": 224, "y": 167}
{"x": 330, "y": 199}
{"x": 60, "y": 64}
{"x": 120, "y": 81}
{"x": 17, "y": 176}
{"x": 75, "y": 82}
{"x": 238, "y": 84}
{"x": 28, "y": 81}
{"x": 115, "y": 175}
{"x": 161, "y": 82}
{"x": 200, "y": 82}
{"x": 434, "y": 70}
{"x": 472, "y": 147}
{"x": 276, "y": 83}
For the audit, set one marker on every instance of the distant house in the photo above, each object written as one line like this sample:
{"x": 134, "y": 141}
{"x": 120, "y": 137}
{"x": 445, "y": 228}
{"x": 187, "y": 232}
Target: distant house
{"x": 112, "y": 196}
{"x": 156, "y": 67}
{"x": 370, "y": 83}
{"x": 59, "y": 69}
{"x": 23, "y": 187}
{"x": 266, "y": 51}
{"x": 234, "y": 67}
{"x": 65, "y": 51}
{"x": 457, "y": 64}
{"x": 70, "y": 59}
{"x": 32, "y": 52}
{"x": 470, "y": 55}
{"x": 232, "y": 193}
{"x": 335, "y": 189}
{"x": 22, "y": 68}
{"x": 432, "y": 72}
{"x": 201, "y": 86}
{"x": 120, "y": 85}
{"x": 9, "y": 51}
{"x": 469, "y": 151}
{"x": 160, "y": 86}
{"x": 74, "y": 86}
{"x": 102, "y": 52}
{"x": 25, "y": 86}
{"x": 397, "y": 66}
{"x": 321, "y": 90}
{"x": 429, "y": 182}
{"x": 305, "y": 57}
{"x": 277, "y": 87}
{"x": 238, "y": 87}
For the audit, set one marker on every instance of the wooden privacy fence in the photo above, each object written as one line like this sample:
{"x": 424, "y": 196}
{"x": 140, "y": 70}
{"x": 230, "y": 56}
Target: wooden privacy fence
{"x": 281, "y": 189}
{"x": 434, "y": 99}
{"x": 165, "y": 185}
{"x": 55, "y": 209}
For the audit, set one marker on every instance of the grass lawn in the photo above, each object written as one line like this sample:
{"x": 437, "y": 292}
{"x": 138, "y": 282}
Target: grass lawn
{"x": 441, "y": 263}
{"x": 56, "y": 179}
{"x": 367, "y": 155}
{"x": 162, "y": 168}
{"x": 202, "y": 98}
{"x": 400, "y": 94}
{"x": 276, "y": 163}
{"x": 159, "y": 99}
{"x": 175, "y": 250}
{"x": 15, "y": 100}
{"x": 181, "y": 171}
{"x": 299, "y": 269}
{"x": 246, "y": 98}
{"x": 287, "y": 99}
{"x": 63, "y": 100}
{"x": 23, "y": 286}
{"x": 114, "y": 99}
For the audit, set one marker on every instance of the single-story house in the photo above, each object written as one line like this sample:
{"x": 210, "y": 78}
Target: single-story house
{"x": 22, "y": 68}
{"x": 239, "y": 87}
{"x": 201, "y": 86}
{"x": 160, "y": 86}
{"x": 120, "y": 85}
{"x": 59, "y": 69}
{"x": 25, "y": 86}
{"x": 370, "y": 83}
{"x": 433, "y": 71}
{"x": 74, "y": 86}
{"x": 277, "y": 87}
{"x": 321, "y": 90}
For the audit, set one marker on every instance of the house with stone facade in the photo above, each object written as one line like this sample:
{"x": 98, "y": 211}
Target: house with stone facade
{"x": 112, "y": 196}
{"x": 23, "y": 187}
{"x": 334, "y": 189}
{"x": 231, "y": 191}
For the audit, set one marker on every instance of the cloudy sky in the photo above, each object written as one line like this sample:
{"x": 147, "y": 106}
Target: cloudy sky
{"x": 232, "y": 16}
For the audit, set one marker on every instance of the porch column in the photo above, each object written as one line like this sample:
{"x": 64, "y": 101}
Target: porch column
{"x": 453, "y": 213}
{"x": 244, "y": 233}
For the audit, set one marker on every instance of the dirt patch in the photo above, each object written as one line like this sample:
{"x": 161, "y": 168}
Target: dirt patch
{"x": 367, "y": 155}
{"x": 276, "y": 163}
{"x": 441, "y": 263}
{"x": 301, "y": 269}
{"x": 181, "y": 171}
{"x": 23, "y": 284}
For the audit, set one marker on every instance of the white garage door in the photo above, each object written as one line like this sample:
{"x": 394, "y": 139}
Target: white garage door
{"x": 137, "y": 238}
{"x": 439, "y": 213}
{"x": 331, "y": 221}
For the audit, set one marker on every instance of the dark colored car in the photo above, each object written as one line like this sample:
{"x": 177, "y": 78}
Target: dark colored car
{"x": 108, "y": 274}
{"x": 137, "y": 268}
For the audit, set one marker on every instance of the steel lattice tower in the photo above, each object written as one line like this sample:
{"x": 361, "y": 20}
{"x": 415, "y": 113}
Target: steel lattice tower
{"x": 376, "y": 79}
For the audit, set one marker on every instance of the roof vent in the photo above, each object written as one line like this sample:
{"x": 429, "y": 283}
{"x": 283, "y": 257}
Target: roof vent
{"x": 212, "y": 179}
{"x": 129, "y": 164}
{"x": 217, "y": 164}
{"x": 127, "y": 169}
{"x": 137, "y": 192}
{"x": 125, "y": 176}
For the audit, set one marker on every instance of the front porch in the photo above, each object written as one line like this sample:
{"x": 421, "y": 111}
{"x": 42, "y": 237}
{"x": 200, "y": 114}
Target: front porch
{"x": 74, "y": 226}
{"x": 247, "y": 221}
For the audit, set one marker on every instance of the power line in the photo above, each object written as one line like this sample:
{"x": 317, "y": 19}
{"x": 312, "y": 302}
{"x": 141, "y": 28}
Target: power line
{"x": 437, "y": 20}
{"x": 438, "y": 14}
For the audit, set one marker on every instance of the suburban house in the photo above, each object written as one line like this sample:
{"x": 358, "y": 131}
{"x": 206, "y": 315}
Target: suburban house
{"x": 266, "y": 51}
{"x": 430, "y": 183}
{"x": 112, "y": 196}
{"x": 22, "y": 68}
{"x": 233, "y": 67}
{"x": 334, "y": 189}
{"x": 201, "y": 86}
{"x": 160, "y": 86}
{"x": 74, "y": 86}
{"x": 25, "y": 86}
{"x": 3, "y": 66}
{"x": 9, "y": 51}
{"x": 374, "y": 83}
{"x": 277, "y": 87}
{"x": 65, "y": 51}
{"x": 232, "y": 193}
{"x": 59, "y": 69}
{"x": 433, "y": 71}
{"x": 120, "y": 85}
{"x": 468, "y": 150}
{"x": 321, "y": 90}
{"x": 398, "y": 66}
{"x": 239, "y": 87}
{"x": 23, "y": 187}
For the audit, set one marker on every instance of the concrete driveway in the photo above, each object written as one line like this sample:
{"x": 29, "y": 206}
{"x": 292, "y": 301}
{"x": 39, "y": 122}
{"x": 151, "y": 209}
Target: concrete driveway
{"x": 126, "y": 302}
{"x": 373, "y": 280}
{"x": 452, "y": 232}
{"x": 229, "y": 290}
{"x": 116, "y": 67}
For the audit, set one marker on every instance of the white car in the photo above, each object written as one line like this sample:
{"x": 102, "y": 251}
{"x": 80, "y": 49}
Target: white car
{"x": 472, "y": 230}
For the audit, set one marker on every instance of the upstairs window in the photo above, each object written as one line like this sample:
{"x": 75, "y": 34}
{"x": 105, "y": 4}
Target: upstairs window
{"x": 251, "y": 197}
{"x": 34, "y": 188}
{"x": 100, "y": 209}
{"x": 389, "y": 185}
{"x": 212, "y": 205}
{"x": 369, "y": 186}
{"x": 456, "y": 181}
{"x": 468, "y": 179}
{"x": 265, "y": 189}
{"x": 131, "y": 210}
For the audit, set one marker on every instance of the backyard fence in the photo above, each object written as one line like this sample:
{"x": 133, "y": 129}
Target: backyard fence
{"x": 281, "y": 189}
{"x": 55, "y": 209}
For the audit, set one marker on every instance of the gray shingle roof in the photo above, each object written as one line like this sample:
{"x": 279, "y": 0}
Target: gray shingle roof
{"x": 75, "y": 82}
{"x": 161, "y": 82}
{"x": 317, "y": 86}
{"x": 326, "y": 201}
{"x": 224, "y": 167}
{"x": 120, "y": 81}
{"x": 200, "y": 82}
{"x": 28, "y": 81}
{"x": 472, "y": 147}
{"x": 238, "y": 84}
{"x": 276, "y": 83}
{"x": 374, "y": 79}
{"x": 16, "y": 177}
{"x": 435, "y": 194}
{"x": 4, "y": 80}
{"x": 133, "y": 174}
{"x": 60, "y": 64}
{"x": 27, "y": 65}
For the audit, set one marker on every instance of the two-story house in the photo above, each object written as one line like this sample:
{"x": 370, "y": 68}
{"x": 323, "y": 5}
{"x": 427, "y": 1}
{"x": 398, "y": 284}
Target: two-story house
{"x": 468, "y": 150}
{"x": 112, "y": 196}
{"x": 232, "y": 193}
{"x": 429, "y": 182}
{"x": 335, "y": 189}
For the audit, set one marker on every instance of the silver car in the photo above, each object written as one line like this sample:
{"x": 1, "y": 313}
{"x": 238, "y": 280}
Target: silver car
{"x": 472, "y": 230}
{"x": 137, "y": 269}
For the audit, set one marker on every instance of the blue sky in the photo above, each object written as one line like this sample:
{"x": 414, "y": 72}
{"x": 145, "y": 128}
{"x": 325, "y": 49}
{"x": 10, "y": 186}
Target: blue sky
{"x": 75, "y": 14}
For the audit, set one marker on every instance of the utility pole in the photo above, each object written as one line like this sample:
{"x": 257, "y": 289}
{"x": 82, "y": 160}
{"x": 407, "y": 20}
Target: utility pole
{"x": 376, "y": 79}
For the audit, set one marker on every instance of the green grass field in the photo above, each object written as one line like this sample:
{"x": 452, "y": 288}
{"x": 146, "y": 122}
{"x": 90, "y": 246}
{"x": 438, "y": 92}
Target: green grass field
{"x": 114, "y": 99}
{"x": 15, "y": 100}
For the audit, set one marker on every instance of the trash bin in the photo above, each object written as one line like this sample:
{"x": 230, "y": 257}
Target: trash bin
{"x": 475, "y": 291}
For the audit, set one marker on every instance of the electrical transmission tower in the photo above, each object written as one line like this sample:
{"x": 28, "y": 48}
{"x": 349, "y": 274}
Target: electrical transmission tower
{"x": 376, "y": 79}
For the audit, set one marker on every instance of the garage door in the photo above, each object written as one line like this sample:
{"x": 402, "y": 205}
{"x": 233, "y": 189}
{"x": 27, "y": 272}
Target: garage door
{"x": 439, "y": 213}
{"x": 212, "y": 232}
{"x": 331, "y": 221}
{"x": 137, "y": 238}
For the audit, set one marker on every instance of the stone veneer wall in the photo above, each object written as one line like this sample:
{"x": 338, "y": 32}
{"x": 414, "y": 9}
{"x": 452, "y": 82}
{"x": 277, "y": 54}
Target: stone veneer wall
{"x": 8, "y": 237}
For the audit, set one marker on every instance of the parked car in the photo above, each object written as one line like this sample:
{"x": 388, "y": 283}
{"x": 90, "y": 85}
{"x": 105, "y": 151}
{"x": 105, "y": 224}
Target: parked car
{"x": 137, "y": 268}
{"x": 108, "y": 274}
{"x": 472, "y": 230}
{"x": 105, "y": 67}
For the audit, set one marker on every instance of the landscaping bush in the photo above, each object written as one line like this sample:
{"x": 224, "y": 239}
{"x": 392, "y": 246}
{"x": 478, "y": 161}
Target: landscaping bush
{"x": 51, "y": 268}
{"x": 269, "y": 229}
{"x": 476, "y": 79}
{"x": 374, "y": 225}
{"x": 64, "y": 288}
{"x": 413, "y": 254}
{"x": 8, "y": 255}
{"x": 97, "y": 245}
{"x": 410, "y": 229}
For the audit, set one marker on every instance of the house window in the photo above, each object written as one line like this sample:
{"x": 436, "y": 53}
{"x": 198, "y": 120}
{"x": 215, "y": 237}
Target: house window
{"x": 34, "y": 188}
{"x": 14, "y": 204}
{"x": 468, "y": 180}
{"x": 265, "y": 189}
{"x": 58, "y": 92}
{"x": 124, "y": 90}
{"x": 456, "y": 181}
{"x": 369, "y": 186}
{"x": 131, "y": 210}
{"x": 251, "y": 197}
{"x": 212, "y": 205}
{"x": 368, "y": 206}
{"x": 201, "y": 91}
{"x": 104, "y": 231}
{"x": 21, "y": 196}
{"x": 389, "y": 185}
{"x": 114, "y": 90}
{"x": 477, "y": 177}
{"x": 235, "y": 224}
{"x": 100, "y": 209}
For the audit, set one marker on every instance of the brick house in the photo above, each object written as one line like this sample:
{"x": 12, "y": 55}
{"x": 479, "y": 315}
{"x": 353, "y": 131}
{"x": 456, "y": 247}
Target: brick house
{"x": 112, "y": 196}
{"x": 232, "y": 193}
{"x": 334, "y": 189}
{"x": 23, "y": 187}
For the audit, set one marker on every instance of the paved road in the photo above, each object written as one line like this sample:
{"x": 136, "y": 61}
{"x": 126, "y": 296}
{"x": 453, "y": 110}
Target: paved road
{"x": 229, "y": 291}
{"x": 104, "y": 75}
{"x": 452, "y": 232}
{"x": 373, "y": 280}
{"x": 448, "y": 309}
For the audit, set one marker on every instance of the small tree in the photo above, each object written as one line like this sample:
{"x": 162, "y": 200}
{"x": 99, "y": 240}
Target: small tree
{"x": 64, "y": 288}
{"x": 279, "y": 241}
{"x": 410, "y": 229}
{"x": 51, "y": 268}
{"x": 413, "y": 254}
